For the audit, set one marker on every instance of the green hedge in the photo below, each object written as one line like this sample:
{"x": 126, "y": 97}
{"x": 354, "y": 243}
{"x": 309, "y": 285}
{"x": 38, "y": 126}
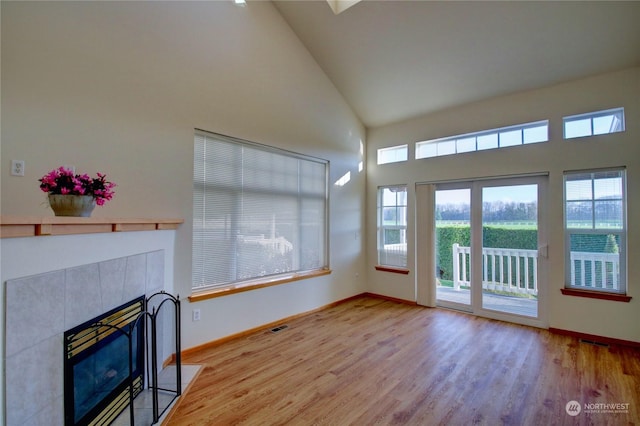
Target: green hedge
{"x": 595, "y": 243}
{"x": 492, "y": 236}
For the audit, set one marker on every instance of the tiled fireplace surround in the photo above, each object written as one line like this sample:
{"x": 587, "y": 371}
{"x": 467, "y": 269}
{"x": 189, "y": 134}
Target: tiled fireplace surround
{"x": 40, "y": 307}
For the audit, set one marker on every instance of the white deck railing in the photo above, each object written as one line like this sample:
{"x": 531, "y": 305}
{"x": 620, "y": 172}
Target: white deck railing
{"x": 516, "y": 271}
{"x": 595, "y": 270}
{"x": 393, "y": 255}
{"x": 510, "y": 270}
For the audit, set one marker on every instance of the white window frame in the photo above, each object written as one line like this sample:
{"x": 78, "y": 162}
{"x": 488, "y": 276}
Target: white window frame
{"x": 571, "y": 274}
{"x": 393, "y": 154}
{"x": 502, "y": 137}
{"x": 591, "y": 116}
{"x": 393, "y": 255}
{"x": 223, "y": 187}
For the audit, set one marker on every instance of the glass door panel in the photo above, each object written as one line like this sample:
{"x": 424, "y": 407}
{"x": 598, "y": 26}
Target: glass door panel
{"x": 452, "y": 247}
{"x": 510, "y": 249}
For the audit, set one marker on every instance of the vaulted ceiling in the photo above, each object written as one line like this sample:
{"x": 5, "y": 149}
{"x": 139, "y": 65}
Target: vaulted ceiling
{"x": 394, "y": 60}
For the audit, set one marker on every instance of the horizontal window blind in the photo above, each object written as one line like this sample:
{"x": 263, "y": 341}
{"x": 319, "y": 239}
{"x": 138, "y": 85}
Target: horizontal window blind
{"x": 257, "y": 211}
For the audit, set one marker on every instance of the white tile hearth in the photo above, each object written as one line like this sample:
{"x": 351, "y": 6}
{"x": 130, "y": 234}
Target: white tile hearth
{"x": 143, "y": 404}
{"x": 38, "y": 373}
{"x": 112, "y": 276}
{"x": 84, "y": 280}
{"x": 36, "y": 311}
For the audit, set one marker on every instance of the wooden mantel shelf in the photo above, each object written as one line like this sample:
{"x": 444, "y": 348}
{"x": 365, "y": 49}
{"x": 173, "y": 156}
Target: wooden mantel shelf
{"x": 33, "y": 226}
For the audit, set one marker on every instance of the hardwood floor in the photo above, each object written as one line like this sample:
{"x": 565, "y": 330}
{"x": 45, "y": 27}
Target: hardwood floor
{"x": 372, "y": 361}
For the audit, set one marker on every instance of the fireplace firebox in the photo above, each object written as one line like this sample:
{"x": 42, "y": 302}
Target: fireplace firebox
{"x": 104, "y": 364}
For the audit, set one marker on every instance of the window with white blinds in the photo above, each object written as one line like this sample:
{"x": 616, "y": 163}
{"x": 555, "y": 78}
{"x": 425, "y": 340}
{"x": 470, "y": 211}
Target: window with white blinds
{"x": 595, "y": 230}
{"x": 392, "y": 226}
{"x": 257, "y": 212}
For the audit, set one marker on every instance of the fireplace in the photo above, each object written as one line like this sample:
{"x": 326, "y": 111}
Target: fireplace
{"x": 104, "y": 364}
{"x": 62, "y": 285}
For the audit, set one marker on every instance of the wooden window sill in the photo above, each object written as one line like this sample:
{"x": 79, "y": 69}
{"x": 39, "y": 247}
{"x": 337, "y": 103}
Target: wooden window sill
{"x": 254, "y": 285}
{"x": 596, "y": 295}
{"x": 393, "y": 269}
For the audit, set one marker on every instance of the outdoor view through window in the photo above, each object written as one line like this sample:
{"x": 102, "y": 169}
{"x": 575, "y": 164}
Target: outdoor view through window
{"x": 595, "y": 230}
{"x": 508, "y": 260}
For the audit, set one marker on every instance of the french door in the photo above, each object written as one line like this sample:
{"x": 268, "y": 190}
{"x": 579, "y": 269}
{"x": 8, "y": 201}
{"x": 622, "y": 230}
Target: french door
{"x": 490, "y": 247}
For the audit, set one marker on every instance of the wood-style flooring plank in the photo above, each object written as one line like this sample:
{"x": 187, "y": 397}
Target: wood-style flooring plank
{"x": 372, "y": 361}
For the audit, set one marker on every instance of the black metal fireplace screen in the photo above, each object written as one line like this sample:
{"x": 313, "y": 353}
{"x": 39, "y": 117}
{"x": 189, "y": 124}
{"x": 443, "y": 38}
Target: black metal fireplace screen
{"x": 105, "y": 362}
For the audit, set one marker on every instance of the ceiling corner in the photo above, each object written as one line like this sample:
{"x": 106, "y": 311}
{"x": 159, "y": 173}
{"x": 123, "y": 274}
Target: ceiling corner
{"x": 339, "y": 6}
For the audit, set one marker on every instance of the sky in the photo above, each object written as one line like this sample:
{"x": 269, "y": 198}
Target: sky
{"x": 514, "y": 193}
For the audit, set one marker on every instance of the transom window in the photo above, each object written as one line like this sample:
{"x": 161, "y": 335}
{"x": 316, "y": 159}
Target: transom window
{"x": 520, "y": 134}
{"x": 594, "y": 123}
{"x": 392, "y": 226}
{"x": 257, "y": 212}
{"x": 595, "y": 230}
{"x": 393, "y": 154}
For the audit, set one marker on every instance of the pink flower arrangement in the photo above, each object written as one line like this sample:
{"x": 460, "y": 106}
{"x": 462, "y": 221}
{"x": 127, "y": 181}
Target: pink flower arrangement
{"x": 63, "y": 181}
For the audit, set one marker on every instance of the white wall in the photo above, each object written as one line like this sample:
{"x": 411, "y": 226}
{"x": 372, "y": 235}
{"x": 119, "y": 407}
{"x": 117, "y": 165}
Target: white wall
{"x": 119, "y": 87}
{"x": 619, "y": 89}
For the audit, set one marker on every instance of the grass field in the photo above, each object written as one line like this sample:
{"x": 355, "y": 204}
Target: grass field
{"x": 505, "y": 225}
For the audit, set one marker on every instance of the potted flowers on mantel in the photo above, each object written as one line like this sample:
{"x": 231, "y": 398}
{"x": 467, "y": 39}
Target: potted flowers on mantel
{"x": 75, "y": 194}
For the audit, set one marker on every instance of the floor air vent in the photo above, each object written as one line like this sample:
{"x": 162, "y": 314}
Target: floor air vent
{"x": 279, "y": 328}
{"x": 593, "y": 342}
